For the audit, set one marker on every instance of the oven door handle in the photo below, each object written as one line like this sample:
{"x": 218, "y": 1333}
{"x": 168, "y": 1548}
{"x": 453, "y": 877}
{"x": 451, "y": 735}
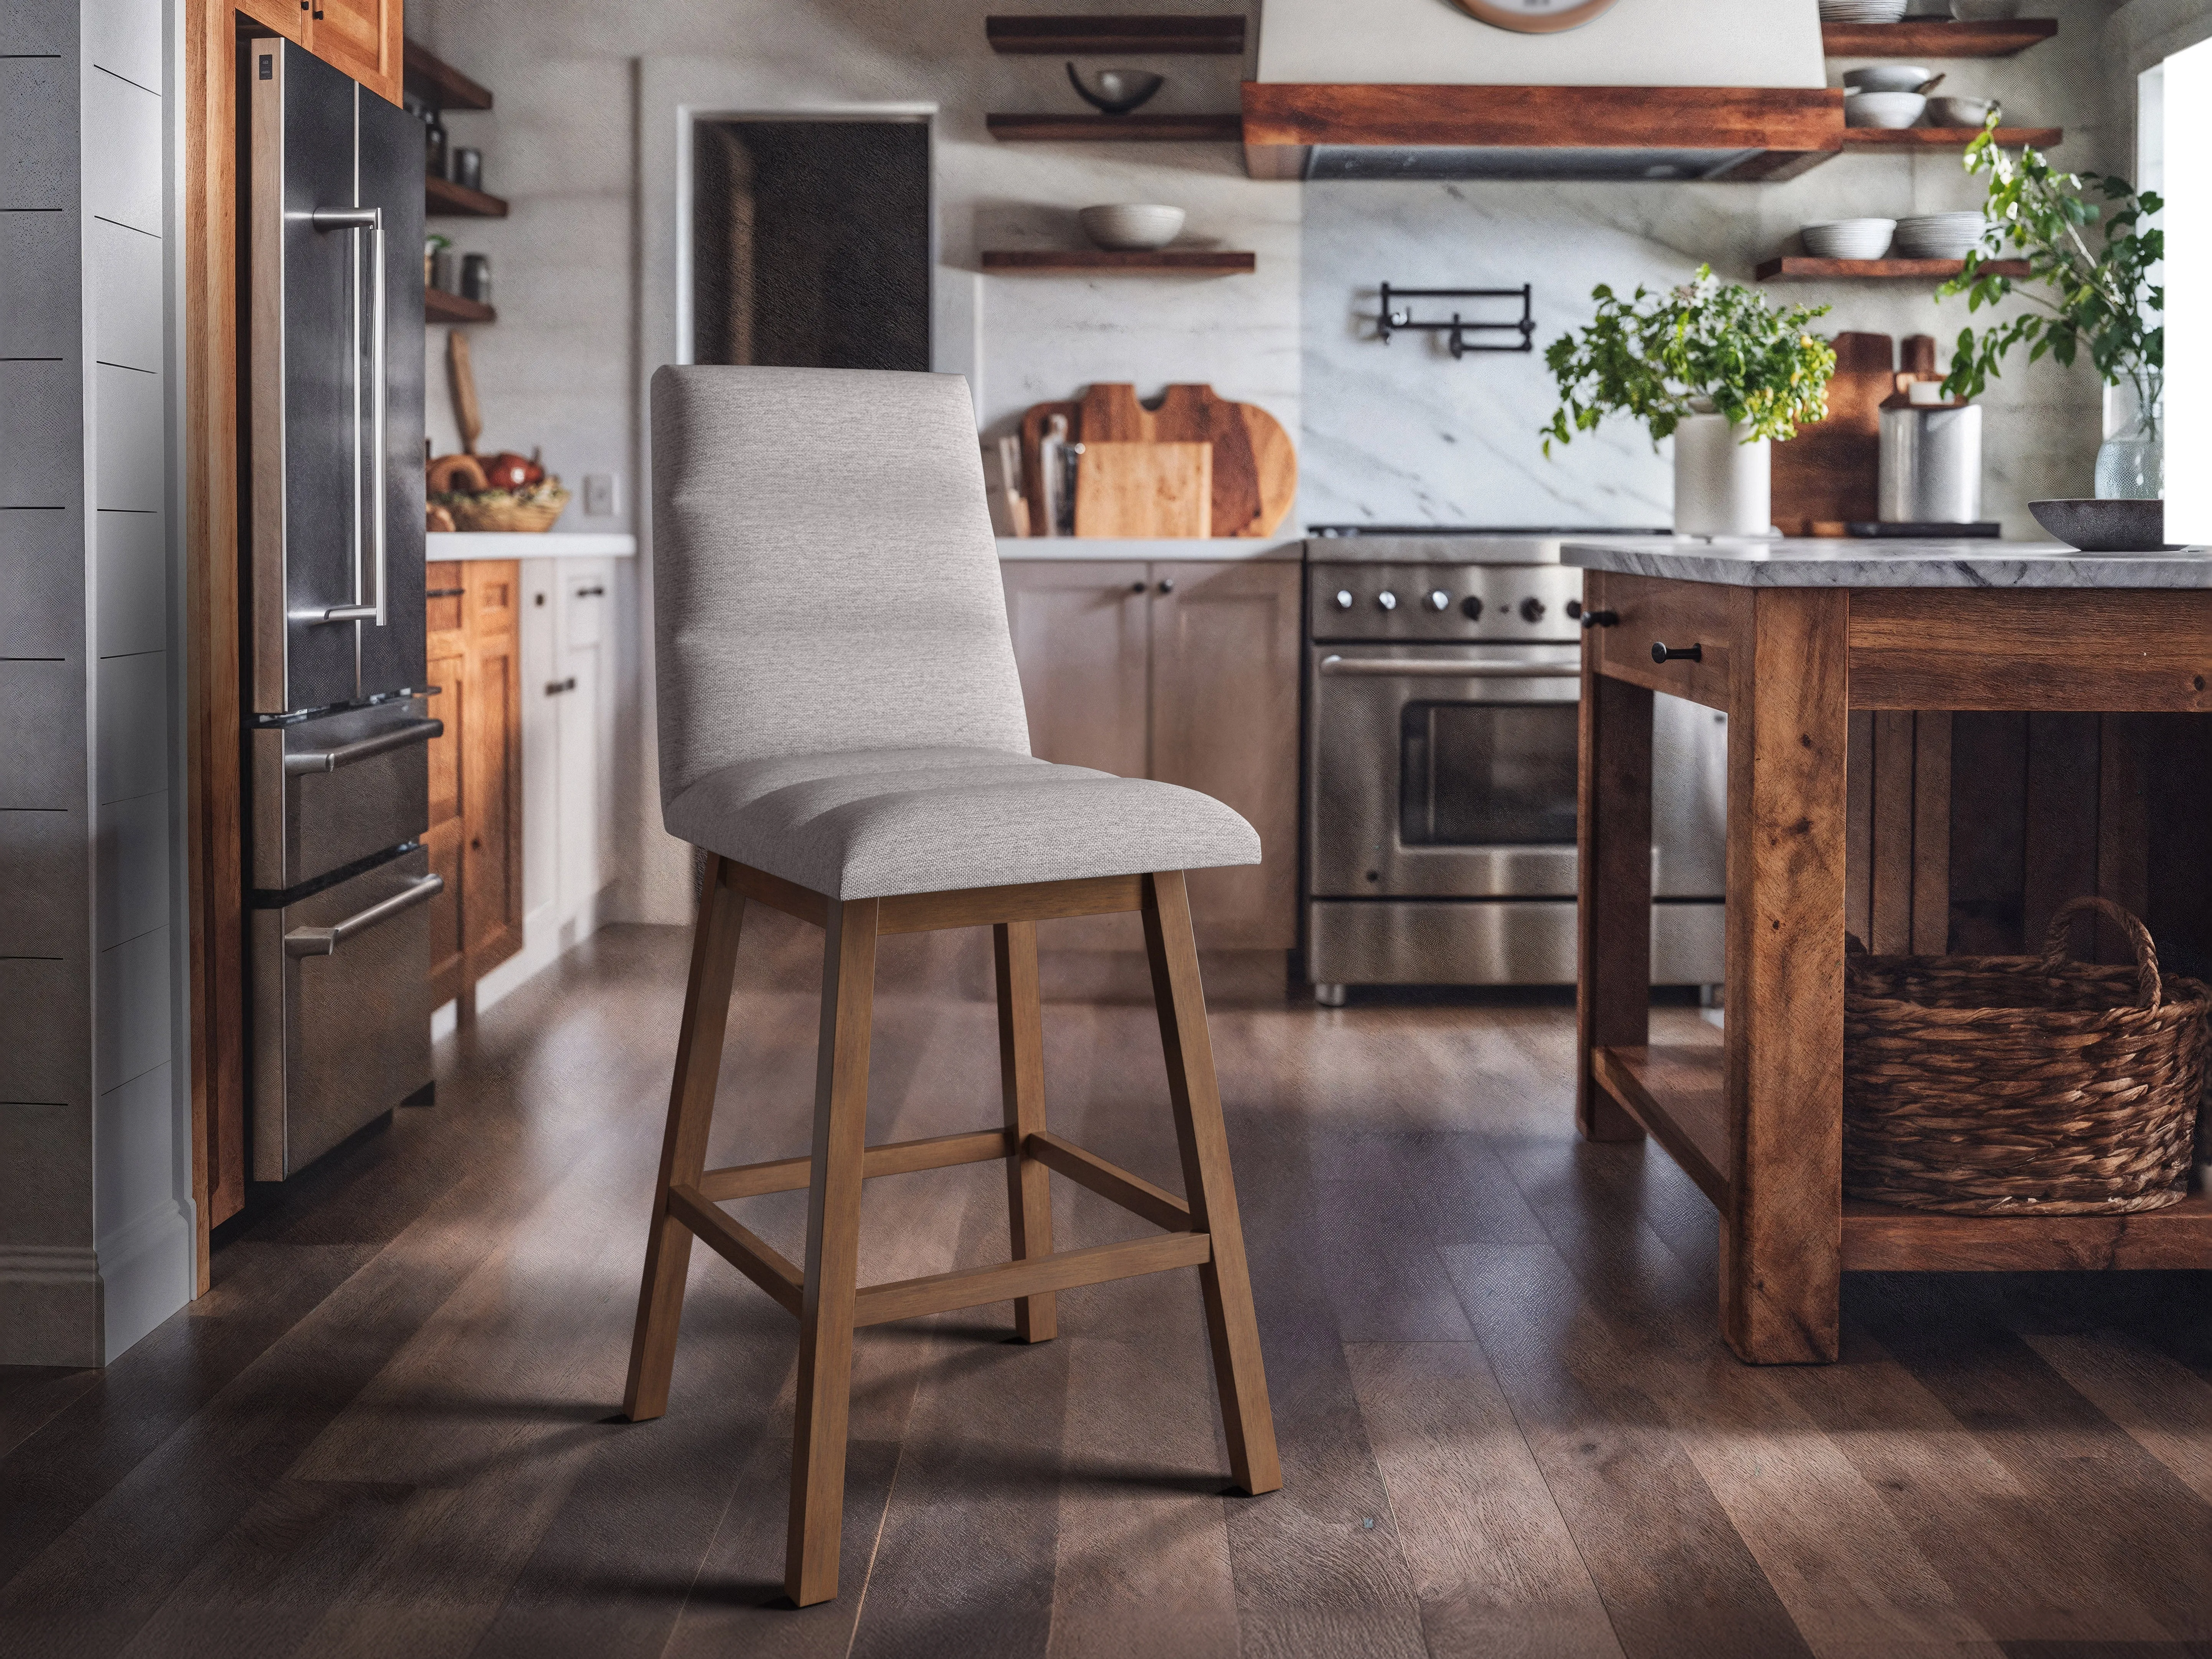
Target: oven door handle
{"x": 1382, "y": 669}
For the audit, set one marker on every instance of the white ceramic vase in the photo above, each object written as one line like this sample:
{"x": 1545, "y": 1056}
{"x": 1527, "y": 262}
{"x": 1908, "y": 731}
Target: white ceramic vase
{"x": 1722, "y": 487}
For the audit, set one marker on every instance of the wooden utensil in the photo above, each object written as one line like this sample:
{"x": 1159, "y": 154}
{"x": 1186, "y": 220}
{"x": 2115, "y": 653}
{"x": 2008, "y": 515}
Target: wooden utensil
{"x": 1255, "y": 466}
{"x": 464, "y": 381}
{"x": 1143, "y": 491}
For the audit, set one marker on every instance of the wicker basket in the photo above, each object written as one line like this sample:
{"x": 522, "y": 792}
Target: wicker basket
{"x": 534, "y": 509}
{"x": 1988, "y": 1086}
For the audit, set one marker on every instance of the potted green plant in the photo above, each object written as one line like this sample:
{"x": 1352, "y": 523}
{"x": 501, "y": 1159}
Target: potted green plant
{"x": 2089, "y": 256}
{"x": 1714, "y": 365}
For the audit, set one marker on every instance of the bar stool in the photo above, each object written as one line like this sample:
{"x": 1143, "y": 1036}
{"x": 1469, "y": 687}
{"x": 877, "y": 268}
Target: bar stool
{"x": 843, "y": 733}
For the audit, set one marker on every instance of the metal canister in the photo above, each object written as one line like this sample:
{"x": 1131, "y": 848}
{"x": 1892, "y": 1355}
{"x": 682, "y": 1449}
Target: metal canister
{"x": 1931, "y": 464}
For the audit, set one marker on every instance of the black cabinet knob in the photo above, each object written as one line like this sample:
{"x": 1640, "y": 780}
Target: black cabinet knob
{"x": 1599, "y": 618}
{"x": 1167, "y": 584}
{"x": 1136, "y": 587}
{"x": 1677, "y": 653}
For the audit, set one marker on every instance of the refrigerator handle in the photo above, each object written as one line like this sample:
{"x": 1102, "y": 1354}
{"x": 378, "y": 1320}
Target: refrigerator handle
{"x": 325, "y": 941}
{"x": 367, "y": 607}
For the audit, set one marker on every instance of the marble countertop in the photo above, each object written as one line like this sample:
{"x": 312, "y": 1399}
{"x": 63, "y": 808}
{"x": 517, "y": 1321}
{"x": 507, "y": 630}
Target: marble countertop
{"x": 1213, "y": 548}
{"x": 552, "y": 545}
{"x": 1791, "y": 561}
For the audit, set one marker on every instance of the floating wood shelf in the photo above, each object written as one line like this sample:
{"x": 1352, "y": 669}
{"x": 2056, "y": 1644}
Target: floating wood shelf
{"x": 1044, "y": 262}
{"x": 1800, "y": 267}
{"x": 1214, "y": 33}
{"x": 439, "y": 306}
{"x": 1676, "y": 1091}
{"x": 1933, "y": 37}
{"x": 448, "y": 199}
{"x": 441, "y": 86}
{"x": 1946, "y": 137}
{"x": 1107, "y": 129}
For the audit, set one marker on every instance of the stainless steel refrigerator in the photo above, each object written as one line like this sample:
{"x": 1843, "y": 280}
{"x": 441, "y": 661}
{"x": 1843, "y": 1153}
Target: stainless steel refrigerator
{"x": 336, "y": 729}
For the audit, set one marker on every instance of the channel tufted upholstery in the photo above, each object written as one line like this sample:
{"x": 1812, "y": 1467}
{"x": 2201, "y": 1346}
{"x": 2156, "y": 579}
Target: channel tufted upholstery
{"x": 838, "y": 702}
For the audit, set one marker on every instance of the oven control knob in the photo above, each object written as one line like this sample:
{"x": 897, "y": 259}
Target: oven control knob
{"x": 1532, "y": 611}
{"x": 1471, "y": 608}
{"x": 1344, "y": 598}
{"x": 1386, "y": 599}
{"x": 1438, "y": 600}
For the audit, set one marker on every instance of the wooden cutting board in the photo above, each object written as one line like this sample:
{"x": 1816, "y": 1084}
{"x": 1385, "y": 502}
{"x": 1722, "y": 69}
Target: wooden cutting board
{"x": 1144, "y": 489}
{"x": 1828, "y": 475}
{"x": 1255, "y": 466}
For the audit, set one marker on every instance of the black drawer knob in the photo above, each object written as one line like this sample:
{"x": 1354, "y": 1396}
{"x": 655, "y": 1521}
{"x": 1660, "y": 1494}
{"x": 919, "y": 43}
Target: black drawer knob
{"x": 1599, "y": 618}
{"x": 1677, "y": 653}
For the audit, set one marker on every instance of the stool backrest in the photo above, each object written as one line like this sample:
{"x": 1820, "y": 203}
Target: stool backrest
{"x": 824, "y": 576}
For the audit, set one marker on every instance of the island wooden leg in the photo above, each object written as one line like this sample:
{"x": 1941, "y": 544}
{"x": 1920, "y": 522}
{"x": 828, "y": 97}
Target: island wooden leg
{"x": 1782, "y": 1229}
{"x": 1612, "y": 972}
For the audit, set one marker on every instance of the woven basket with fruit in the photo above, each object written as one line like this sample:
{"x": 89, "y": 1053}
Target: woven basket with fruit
{"x": 507, "y": 492}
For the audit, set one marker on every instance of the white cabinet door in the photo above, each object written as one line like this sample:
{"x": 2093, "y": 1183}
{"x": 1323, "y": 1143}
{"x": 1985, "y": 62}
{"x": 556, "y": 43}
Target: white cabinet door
{"x": 585, "y": 799}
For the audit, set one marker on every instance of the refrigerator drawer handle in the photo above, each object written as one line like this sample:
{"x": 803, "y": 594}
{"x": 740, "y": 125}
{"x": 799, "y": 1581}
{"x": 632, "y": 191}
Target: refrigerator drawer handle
{"x": 1450, "y": 670}
{"x": 370, "y": 604}
{"x": 325, "y": 941}
{"x": 345, "y": 754}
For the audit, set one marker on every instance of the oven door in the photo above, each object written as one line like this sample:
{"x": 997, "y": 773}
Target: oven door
{"x": 1442, "y": 771}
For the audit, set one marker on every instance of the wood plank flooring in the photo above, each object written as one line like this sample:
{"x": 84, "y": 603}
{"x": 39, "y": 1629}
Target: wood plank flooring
{"x": 1508, "y": 1422}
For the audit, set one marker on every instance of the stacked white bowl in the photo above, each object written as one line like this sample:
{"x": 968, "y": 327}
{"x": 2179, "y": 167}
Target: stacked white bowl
{"x": 1131, "y": 226}
{"x": 1849, "y": 239}
{"x": 1862, "y": 11}
{"x": 1887, "y": 77}
{"x": 1883, "y": 109}
{"x": 1939, "y": 235}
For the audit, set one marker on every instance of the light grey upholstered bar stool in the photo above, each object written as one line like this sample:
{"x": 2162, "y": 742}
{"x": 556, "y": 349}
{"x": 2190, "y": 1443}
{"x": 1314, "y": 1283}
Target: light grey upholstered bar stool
{"x": 841, "y": 730}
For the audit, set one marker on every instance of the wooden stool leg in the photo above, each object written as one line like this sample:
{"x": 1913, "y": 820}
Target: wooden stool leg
{"x": 1788, "y": 734}
{"x": 684, "y": 1150}
{"x": 1249, "y": 1424}
{"x": 1021, "y": 1079}
{"x": 833, "y": 1250}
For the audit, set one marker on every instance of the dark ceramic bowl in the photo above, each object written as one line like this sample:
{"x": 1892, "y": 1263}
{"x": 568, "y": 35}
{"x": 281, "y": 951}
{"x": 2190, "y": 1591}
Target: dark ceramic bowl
{"x": 2105, "y": 527}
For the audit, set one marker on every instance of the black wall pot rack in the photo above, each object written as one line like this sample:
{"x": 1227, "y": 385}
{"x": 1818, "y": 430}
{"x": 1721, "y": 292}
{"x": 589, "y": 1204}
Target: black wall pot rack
{"x": 1461, "y": 334}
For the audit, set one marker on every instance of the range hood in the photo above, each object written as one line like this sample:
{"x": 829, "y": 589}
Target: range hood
{"x": 1655, "y": 90}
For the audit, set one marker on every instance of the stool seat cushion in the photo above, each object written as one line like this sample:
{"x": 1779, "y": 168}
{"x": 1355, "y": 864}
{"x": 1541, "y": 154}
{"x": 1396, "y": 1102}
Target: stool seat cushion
{"x": 872, "y": 823}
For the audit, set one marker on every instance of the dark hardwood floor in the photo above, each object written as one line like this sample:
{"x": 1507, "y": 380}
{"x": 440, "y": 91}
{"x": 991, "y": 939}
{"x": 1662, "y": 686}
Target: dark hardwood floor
{"x": 1508, "y": 1423}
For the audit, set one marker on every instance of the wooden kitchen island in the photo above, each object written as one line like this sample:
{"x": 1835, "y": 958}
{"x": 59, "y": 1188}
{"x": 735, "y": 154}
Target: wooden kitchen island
{"x": 1787, "y": 637}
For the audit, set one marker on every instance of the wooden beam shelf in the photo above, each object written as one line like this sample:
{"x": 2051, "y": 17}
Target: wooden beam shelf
{"x": 445, "y": 199}
{"x": 439, "y": 306}
{"x": 1677, "y": 1093}
{"x": 1213, "y": 34}
{"x": 439, "y": 84}
{"x": 1045, "y": 262}
{"x": 1947, "y": 137}
{"x": 1107, "y": 129}
{"x": 1800, "y": 267}
{"x": 1936, "y": 37}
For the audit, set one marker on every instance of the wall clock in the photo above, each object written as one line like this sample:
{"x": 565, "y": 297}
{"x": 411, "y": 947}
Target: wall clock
{"x": 1535, "y": 17}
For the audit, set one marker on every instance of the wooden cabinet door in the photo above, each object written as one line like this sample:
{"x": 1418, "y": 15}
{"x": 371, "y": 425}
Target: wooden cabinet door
{"x": 491, "y": 765}
{"x": 447, "y": 670}
{"x": 290, "y": 18}
{"x": 1225, "y": 648}
{"x": 1079, "y": 629}
{"x": 362, "y": 37}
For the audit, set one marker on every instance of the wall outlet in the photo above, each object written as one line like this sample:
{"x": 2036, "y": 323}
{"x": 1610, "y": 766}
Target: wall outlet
{"x": 602, "y": 494}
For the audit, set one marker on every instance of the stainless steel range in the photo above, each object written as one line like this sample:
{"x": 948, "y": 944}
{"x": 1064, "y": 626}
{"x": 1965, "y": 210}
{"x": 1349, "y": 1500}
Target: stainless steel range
{"x": 1442, "y": 681}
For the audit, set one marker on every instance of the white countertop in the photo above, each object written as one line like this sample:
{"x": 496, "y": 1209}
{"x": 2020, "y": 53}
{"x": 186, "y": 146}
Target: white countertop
{"x": 1212, "y": 549}
{"x": 1792, "y": 561}
{"x": 521, "y": 545}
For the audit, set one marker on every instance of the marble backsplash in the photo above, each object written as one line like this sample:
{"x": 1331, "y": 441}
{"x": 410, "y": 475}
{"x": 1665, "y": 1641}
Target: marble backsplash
{"x": 1402, "y": 434}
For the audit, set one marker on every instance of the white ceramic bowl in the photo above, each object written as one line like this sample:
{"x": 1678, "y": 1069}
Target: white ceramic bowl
{"x": 1959, "y": 111}
{"x": 1862, "y": 11}
{"x": 1849, "y": 239}
{"x": 1888, "y": 77}
{"x": 1883, "y": 109}
{"x": 1985, "y": 11}
{"x": 1132, "y": 227}
{"x": 1939, "y": 235}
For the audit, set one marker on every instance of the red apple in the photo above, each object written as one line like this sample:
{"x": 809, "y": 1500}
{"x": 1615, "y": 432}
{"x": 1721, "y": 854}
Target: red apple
{"x": 508, "y": 470}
